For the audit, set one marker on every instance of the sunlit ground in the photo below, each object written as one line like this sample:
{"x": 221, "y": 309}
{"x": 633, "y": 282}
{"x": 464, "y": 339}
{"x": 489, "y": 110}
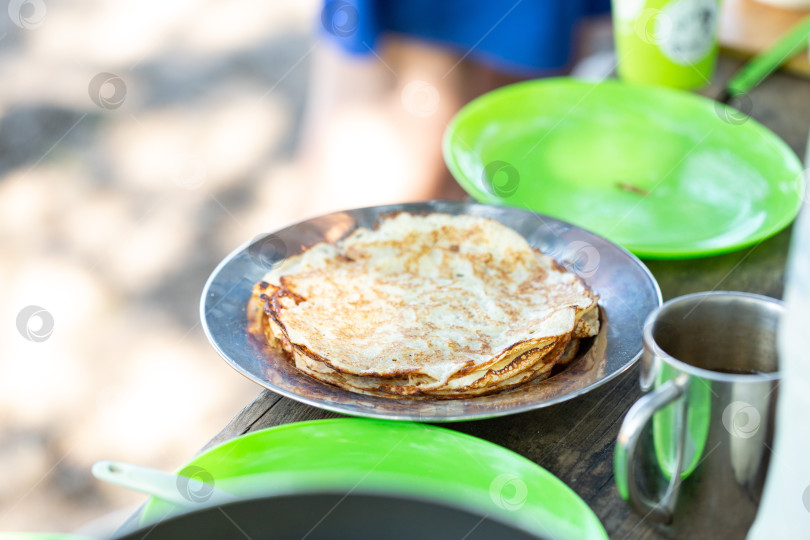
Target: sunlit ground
{"x": 114, "y": 208}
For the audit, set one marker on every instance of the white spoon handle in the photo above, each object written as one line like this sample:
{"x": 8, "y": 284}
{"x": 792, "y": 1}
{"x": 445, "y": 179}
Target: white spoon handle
{"x": 186, "y": 491}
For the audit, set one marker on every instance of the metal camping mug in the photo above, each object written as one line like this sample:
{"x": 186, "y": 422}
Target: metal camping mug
{"x": 692, "y": 453}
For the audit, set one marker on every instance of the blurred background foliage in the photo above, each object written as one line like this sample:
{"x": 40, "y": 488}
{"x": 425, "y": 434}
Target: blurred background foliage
{"x": 117, "y": 199}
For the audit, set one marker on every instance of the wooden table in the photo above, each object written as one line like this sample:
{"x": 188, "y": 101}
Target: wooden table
{"x": 575, "y": 440}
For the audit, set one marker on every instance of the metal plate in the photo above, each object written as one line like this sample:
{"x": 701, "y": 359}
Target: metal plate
{"x": 627, "y": 294}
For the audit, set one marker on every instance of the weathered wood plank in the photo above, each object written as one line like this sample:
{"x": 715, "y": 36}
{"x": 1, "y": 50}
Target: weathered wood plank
{"x": 245, "y": 420}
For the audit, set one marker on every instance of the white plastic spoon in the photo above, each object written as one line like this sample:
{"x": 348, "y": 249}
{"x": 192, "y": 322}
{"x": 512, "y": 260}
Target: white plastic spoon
{"x": 186, "y": 490}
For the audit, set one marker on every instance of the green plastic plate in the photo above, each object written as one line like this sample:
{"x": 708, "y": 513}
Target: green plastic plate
{"x": 664, "y": 173}
{"x": 403, "y": 458}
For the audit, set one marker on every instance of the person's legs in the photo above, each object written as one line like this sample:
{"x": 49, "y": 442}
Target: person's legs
{"x": 374, "y": 125}
{"x": 373, "y": 131}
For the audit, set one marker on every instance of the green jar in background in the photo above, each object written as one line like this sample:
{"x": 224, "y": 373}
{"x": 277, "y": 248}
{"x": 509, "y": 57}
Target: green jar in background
{"x": 666, "y": 42}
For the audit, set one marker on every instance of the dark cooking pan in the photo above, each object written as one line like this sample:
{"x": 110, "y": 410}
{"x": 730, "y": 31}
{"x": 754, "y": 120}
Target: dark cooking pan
{"x": 332, "y": 516}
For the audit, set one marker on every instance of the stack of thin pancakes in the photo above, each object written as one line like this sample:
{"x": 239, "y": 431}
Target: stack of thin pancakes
{"x": 424, "y": 305}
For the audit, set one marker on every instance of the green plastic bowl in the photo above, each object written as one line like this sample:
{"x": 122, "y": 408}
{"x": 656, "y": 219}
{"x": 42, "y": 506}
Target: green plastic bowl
{"x": 398, "y": 458}
{"x": 664, "y": 173}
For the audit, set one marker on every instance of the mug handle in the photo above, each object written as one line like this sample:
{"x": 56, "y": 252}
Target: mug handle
{"x": 637, "y": 417}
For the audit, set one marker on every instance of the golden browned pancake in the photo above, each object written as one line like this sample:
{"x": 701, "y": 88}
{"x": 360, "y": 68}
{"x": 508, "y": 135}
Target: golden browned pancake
{"x": 439, "y": 305}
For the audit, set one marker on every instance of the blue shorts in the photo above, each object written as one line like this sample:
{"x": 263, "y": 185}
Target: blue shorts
{"x": 523, "y": 37}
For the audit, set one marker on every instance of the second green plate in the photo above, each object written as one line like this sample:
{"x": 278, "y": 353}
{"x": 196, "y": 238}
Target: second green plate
{"x": 664, "y": 173}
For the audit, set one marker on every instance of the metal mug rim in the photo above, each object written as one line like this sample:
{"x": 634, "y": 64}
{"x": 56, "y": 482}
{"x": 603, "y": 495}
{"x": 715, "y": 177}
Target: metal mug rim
{"x": 651, "y": 345}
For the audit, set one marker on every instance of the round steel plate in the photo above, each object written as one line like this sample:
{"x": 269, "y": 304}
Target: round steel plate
{"x": 627, "y": 294}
